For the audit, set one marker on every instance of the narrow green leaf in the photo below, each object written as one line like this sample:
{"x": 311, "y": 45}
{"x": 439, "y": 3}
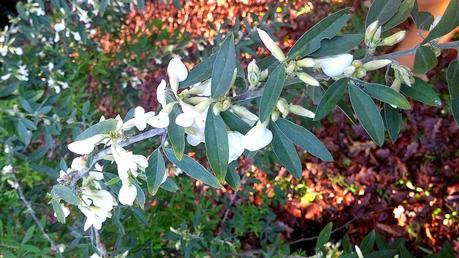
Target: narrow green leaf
{"x": 200, "y": 72}
{"x": 338, "y": 45}
{"x": 28, "y": 235}
{"x": 423, "y": 20}
{"x": 24, "y": 135}
{"x": 155, "y": 172}
{"x": 424, "y": 60}
{"x": 273, "y": 88}
{"x": 223, "y": 67}
{"x": 311, "y": 40}
{"x": 452, "y": 77}
{"x": 368, "y": 242}
{"x": 382, "y": 10}
{"x": 192, "y": 168}
{"x": 367, "y": 113}
{"x": 393, "y": 121}
{"x": 304, "y": 138}
{"x": 234, "y": 122}
{"x": 217, "y": 149}
{"x": 387, "y": 95}
{"x": 285, "y": 151}
{"x": 140, "y": 198}
{"x": 422, "y": 92}
{"x": 176, "y": 134}
{"x": 232, "y": 177}
{"x": 347, "y": 110}
{"x": 382, "y": 253}
{"x": 402, "y": 14}
{"x": 66, "y": 194}
{"x": 448, "y": 22}
{"x": 58, "y": 210}
{"x": 169, "y": 185}
{"x": 330, "y": 98}
{"x": 324, "y": 236}
{"x": 99, "y": 128}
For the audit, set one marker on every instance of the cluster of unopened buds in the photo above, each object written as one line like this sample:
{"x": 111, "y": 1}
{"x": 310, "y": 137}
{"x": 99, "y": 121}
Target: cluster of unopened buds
{"x": 373, "y": 37}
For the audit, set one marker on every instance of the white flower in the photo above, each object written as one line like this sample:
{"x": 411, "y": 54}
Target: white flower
{"x": 127, "y": 162}
{"x": 161, "y": 93}
{"x": 6, "y": 77}
{"x": 202, "y": 88}
{"x": 161, "y": 120}
{"x": 87, "y": 145}
{"x": 65, "y": 210}
{"x": 194, "y": 122}
{"x": 78, "y": 163}
{"x": 257, "y": 138}
{"x": 271, "y": 45}
{"x": 76, "y": 36}
{"x": 58, "y": 27}
{"x": 95, "y": 255}
{"x": 177, "y": 72}
{"x": 235, "y": 144}
{"x": 139, "y": 120}
{"x": 334, "y": 65}
{"x": 127, "y": 194}
{"x": 247, "y": 116}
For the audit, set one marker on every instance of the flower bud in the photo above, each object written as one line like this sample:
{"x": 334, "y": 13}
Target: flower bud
{"x": 282, "y": 106}
{"x": 361, "y": 73}
{"x": 275, "y": 115}
{"x": 308, "y": 79}
{"x": 393, "y": 39}
{"x": 370, "y": 32}
{"x": 245, "y": 114}
{"x": 264, "y": 74}
{"x": 396, "y": 85}
{"x": 306, "y": 62}
{"x": 376, "y": 64}
{"x": 253, "y": 73}
{"x": 349, "y": 71}
{"x": 290, "y": 67}
{"x": 203, "y": 105}
{"x": 226, "y": 104}
{"x": 217, "y": 108}
{"x": 271, "y": 45}
{"x": 301, "y": 111}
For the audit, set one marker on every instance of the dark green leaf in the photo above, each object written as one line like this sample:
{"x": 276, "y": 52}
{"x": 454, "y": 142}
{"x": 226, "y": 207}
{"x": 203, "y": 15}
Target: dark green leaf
{"x": 368, "y": 243}
{"x": 304, "y": 138}
{"x": 423, "y": 20}
{"x": 234, "y": 122}
{"x": 24, "y": 135}
{"x": 387, "y": 95}
{"x": 169, "y": 185}
{"x": 424, "y": 59}
{"x": 99, "y": 128}
{"x": 338, "y": 45}
{"x": 330, "y": 98}
{"x": 155, "y": 172}
{"x": 232, "y": 177}
{"x": 217, "y": 149}
{"x": 347, "y": 110}
{"x": 223, "y": 67}
{"x": 452, "y": 76}
{"x": 66, "y": 194}
{"x": 285, "y": 151}
{"x": 324, "y": 236}
{"x": 367, "y": 113}
{"x": 423, "y": 92}
{"x": 272, "y": 90}
{"x": 448, "y": 22}
{"x": 58, "y": 210}
{"x": 393, "y": 121}
{"x": 192, "y": 168}
{"x": 402, "y": 14}
{"x": 176, "y": 134}
{"x": 200, "y": 72}
{"x": 382, "y": 10}
{"x": 311, "y": 40}
{"x": 382, "y": 253}
{"x": 140, "y": 198}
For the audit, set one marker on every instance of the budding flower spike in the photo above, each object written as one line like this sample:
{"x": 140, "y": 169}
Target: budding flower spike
{"x": 271, "y": 45}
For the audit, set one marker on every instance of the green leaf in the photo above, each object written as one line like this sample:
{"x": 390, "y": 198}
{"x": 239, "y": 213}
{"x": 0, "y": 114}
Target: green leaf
{"x": 367, "y": 113}
{"x": 382, "y": 10}
{"x": 402, "y": 14}
{"x": 177, "y": 4}
{"x": 452, "y": 77}
{"x": 66, "y": 194}
{"x": 234, "y": 122}
{"x": 422, "y": 92}
{"x": 285, "y": 151}
{"x": 382, "y": 253}
{"x": 393, "y": 121}
{"x": 311, "y": 40}
{"x": 24, "y": 135}
{"x": 155, "y": 172}
{"x": 217, "y": 149}
{"x": 192, "y": 168}
{"x": 338, "y": 45}
{"x": 448, "y": 22}
{"x": 176, "y": 134}
{"x": 58, "y": 210}
{"x": 330, "y": 98}
{"x": 304, "y": 138}
{"x": 272, "y": 90}
{"x": 324, "y": 236}
{"x": 223, "y": 67}
{"x": 99, "y": 128}
{"x": 232, "y": 177}
{"x": 200, "y": 72}
{"x": 28, "y": 235}
{"x": 368, "y": 242}
{"x": 424, "y": 59}
{"x": 140, "y": 197}
{"x": 387, "y": 95}
{"x": 169, "y": 185}
{"x": 423, "y": 20}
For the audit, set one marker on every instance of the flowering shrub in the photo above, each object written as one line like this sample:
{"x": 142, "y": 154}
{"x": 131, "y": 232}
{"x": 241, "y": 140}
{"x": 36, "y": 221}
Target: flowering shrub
{"x": 217, "y": 108}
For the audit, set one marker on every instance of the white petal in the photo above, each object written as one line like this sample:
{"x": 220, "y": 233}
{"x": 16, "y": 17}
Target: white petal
{"x": 235, "y": 145}
{"x": 334, "y": 65}
{"x": 127, "y": 194}
{"x": 141, "y": 160}
{"x": 159, "y": 121}
{"x": 177, "y": 69}
{"x": 257, "y": 138}
{"x": 184, "y": 120}
{"x": 194, "y": 140}
{"x": 161, "y": 93}
{"x": 85, "y": 146}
